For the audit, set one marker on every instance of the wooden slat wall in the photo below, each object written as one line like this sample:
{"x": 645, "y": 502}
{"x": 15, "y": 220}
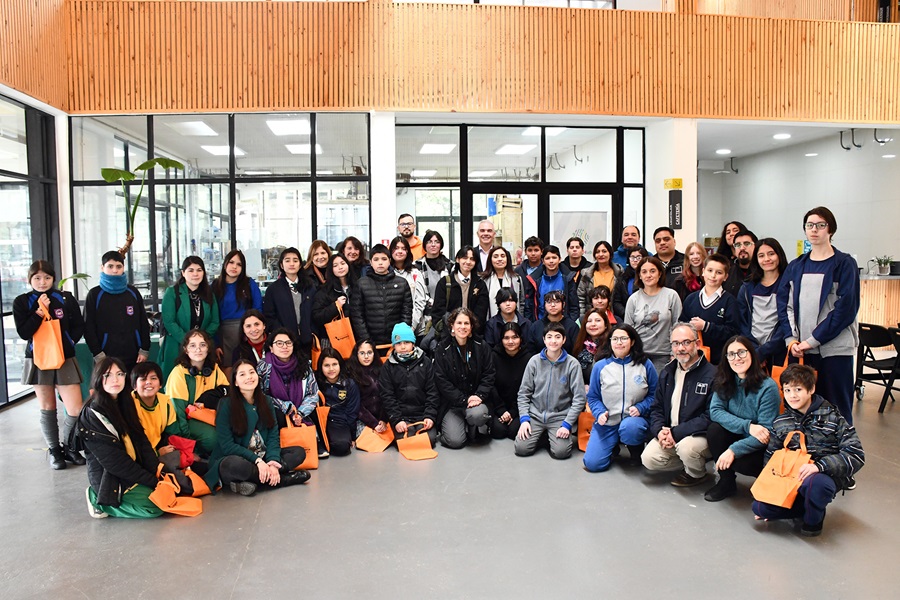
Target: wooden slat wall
{"x": 879, "y": 302}
{"x": 834, "y": 10}
{"x": 33, "y": 49}
{"x": 172, "y": 56}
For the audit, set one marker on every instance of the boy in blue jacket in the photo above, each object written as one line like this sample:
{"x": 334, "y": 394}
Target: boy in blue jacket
{"x": 831, "y": 442}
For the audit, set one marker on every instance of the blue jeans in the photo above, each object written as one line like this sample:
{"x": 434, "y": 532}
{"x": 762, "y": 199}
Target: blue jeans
{"x": 816, "y": 492}
{"x": 598, "y": 454}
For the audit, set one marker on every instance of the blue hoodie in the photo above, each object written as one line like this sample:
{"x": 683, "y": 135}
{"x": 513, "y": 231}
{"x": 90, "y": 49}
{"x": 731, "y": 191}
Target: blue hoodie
{"x": 618, "y": 384}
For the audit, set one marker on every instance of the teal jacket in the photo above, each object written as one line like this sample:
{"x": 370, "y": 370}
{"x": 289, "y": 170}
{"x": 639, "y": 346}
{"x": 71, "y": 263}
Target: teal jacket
{"x": 178, "y": 323}
{"x": 231, "y": 444}
{"x": 737, "y": 414}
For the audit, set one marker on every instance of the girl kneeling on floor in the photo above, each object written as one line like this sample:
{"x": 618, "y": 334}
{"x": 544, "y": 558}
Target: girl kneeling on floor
{"x": 342, "y": 397}
{"x": 121, "y": 462}
{"x": 249, "y": 452}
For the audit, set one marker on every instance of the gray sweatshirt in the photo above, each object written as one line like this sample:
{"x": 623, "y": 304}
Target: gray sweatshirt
{"x": 552, "y": 390}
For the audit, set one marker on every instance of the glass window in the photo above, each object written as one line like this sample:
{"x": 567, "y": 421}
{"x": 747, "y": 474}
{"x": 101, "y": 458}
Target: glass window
{"x": 198, "y": 141}
{"x": 13, "y": 152}
{"x": 342, "y": 210}
{"x": 15, "y": 240}
{"x": 634, "y": 156}
{"x": 504, "y": 154}
{"x": 344, "y": 142}
{"x": 586, "y": 216}
{"x": 633, "y": 207}
{"x": 100, "y": 142}
{"x": 100, "y": 226}
{"x": 514, "y": 217}
{"x": 14, "y": 348}
{"x": 434, "y": 208}
{"x": 427, "y": 153}
{"x": 273, "y": 144}
{"x": 270, "y": 217}
{"x": 581, "y": 154}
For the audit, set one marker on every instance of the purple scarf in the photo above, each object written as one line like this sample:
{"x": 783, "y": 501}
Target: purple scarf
{"x": 294, "y": 392}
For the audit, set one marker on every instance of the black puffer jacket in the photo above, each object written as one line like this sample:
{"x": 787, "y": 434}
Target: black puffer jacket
{"x": 384, "y": 301}
{"x": 408, "y": 389}
{"x": 478, "y": 301}
{"x": 463, "y": 371}
{"x": 110, "y": 470}
{"x": 324, "y": 307}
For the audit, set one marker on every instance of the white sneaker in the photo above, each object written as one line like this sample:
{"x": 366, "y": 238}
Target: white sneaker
{"x": 95, "y": 512}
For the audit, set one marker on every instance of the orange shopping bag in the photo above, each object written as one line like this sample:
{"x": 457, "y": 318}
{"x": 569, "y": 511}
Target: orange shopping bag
{"x": 586, "y": 422}
{"x": 204, "y": 415}
{"x": 341, "y": 334}
{"x": 417, "y": 447}
{"x": 372, "y": 441}
{"x": 322, "y": 411}
{"x": 166, "y": 498}
{"x": 779, "y": 481}
{"x": 46, "y": 345}
{"x": 705, "y": 348}
{"x": 200, "y": 487}
{"x": 303, "y": 437}
{"x": 383, "y": 351}
{"x": 315, "y": 351}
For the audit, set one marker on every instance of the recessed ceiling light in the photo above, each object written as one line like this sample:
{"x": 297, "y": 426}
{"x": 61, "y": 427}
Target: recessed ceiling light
{"x": 516, "y": 149}
{"x": 812, "y": 154}
{"x": 289, "y": 126}
{"x": 444, "y": 130}
{"x": 723, "y": 151}
{"x": 223, "y": 150}
{"x": 302, "y": 148}
{"x": 551, "y": 131}
{"x": 482, "y": 173}
{"x": 257, "y": 172}
{"x": 782, "y": 136}
{"x": 193, "y": 128}
{"x": 437, "y": 148}
{"x": 888, "y": 156}
{"x": 422, "y": 172}
{"x": 531, "y": 131}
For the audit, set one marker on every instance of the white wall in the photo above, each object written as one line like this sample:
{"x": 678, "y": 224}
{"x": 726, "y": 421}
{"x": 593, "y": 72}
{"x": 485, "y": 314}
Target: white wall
{"x": 383, "y": 165}
{"x": 773, "y": 190}
{"x": 652, "y": 5}
{"x": 671, "y": 153}
{"x": 709, "y": 204}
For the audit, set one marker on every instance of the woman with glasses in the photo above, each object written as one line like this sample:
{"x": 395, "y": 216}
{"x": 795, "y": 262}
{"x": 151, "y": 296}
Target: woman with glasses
{"x": 818, "y": 300}
{"x": 434, "y": 268}
{"x": 744, "y": 405}
{"x": 652, "y": 310}
{"x": 196, "y": 381}
{"x": 622, "y": 388}
{"x": 187, "y": 305}
{"x": 285, "y": 375}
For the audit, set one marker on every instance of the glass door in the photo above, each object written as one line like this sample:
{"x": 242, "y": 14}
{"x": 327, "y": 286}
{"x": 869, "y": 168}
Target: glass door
{"x": 514, "y": 216}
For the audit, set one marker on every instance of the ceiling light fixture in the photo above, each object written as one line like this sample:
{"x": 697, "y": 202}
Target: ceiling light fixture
{"x": 781, "y": 136}
{"x": 811, "y": 154}
{"x": 223, "y": 150}
{"x": 281, "y": 127}
{"x": 302, "y": 148}
{"x": 193, "y": 128}
{"x": 515, "y": 149}
{"x": 888, "y": 156}
{"x": 423, "y": 172}
{"x": 324, "y": 172}
{"x": 437, "y": 148}
{"x": 477, "y": 174}
{"x": 257, "y": 172}
{"x": 723, "y": 151}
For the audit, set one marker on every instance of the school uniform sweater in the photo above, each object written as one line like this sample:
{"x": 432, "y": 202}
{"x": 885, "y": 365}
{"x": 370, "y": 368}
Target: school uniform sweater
{"x": 343, "y": 398}
{"x": 157, "y": 420}
{"x": 721, "y": 320}
{"x": 617, "y": 384}
{"x": 552, "y": 390}
{"x": 63, "y": 306}
{"x": 117, "y": 324}
{"x": 231, "y": 309}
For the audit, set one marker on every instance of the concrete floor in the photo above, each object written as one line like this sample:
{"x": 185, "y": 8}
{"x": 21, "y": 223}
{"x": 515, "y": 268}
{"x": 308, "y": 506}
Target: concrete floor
{"x": 474, "y": 523}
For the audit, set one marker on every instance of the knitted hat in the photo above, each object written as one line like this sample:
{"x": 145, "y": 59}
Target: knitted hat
{"x": 402, "y": 333}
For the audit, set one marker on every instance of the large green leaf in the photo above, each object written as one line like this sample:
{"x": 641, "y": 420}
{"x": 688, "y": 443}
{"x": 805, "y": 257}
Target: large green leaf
{"x": 112, "y": 175}
{"x": 165, "y": 163}
{"x": 77, "y": 277}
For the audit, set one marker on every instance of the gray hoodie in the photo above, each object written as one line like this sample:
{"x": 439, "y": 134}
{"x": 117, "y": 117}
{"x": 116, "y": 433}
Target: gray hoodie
{"x": 552, "y": 390}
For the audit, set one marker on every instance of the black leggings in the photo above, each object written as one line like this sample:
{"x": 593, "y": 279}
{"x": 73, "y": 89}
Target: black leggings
{"x": 719, "y": 440}
{"x": 237, "y": 468}
{"x": 339, "y": 438}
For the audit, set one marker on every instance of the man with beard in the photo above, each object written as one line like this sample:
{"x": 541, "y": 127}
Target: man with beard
{"x": 406, "y": 226}
{"x": 679, "y": 415}
{"x": 631, "y": 239}
{"x": 672, "y": 259}
{"x": 744, "y": 247}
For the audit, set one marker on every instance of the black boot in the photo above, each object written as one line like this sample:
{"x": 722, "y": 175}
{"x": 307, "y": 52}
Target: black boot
{"x": 634, "y": 453}
{"x": 57, "y": 458}
{"x": 73, "y": 456}
{"x": 294, "y": 478}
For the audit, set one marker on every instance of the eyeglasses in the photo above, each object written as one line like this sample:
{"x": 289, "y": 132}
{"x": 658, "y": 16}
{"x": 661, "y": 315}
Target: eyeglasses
{"x": 634, "y": 258}
{"x": 738, "y": 354}
{"x": 200, "y": 346}
{"x": 435, "y": 242}
{"x": 739, "y": 245}
{"x": 552, "y": 301}
{"x": 682, "y": 343}
{"x": 283, "y": 344}
{"x": 820, "y": 226}
{"x": 619, "y": 339}
{"x": 406, "y": 224}
{"x": 365, "y": 353}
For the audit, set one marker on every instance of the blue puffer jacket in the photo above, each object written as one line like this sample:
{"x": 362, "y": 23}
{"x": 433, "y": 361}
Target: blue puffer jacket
{"x": 618, "y": 384}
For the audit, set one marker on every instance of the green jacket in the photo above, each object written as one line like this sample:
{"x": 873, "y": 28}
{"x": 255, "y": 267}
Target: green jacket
{"x": 178, "y": 323}
{"x": 231, "y": 444}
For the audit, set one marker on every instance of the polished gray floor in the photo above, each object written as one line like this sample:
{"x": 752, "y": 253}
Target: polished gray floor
{"x": 474, "y": 523}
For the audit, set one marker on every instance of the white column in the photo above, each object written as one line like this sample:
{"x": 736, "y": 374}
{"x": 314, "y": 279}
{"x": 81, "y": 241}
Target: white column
{"x": 671, "y": 153}
{"x": 383, "y": 169}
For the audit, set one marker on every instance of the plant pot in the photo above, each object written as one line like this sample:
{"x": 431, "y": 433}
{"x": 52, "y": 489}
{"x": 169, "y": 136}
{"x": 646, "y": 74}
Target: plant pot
{"x": 884, "y": 269}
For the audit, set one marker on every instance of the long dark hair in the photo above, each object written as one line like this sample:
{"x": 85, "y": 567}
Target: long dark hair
{"x": 357, "y": 371}
{"x": 238, "y": 418}
{"x": 724, "y": 384}
{"x": 583, "y": 334}
{"x": 329, "y": 352}
{"x": 203, "y": 290}
{"x": 756, "y": 272}
{"x": 242, "y": 285}
{"x": 302, "y": 369}
{"x": 302, "y": 275}
{"x": 331, "y": 280}
{"x": 515, "y": 328}
{"x": 209, "y": 362}
{"x": 359, "y": 262}
{"x": 400, "y": 240}
{"x": 120, "y": 410}
{"x": 724, "y": 248}
{"x": 510, "y": 271}
{"x": 637, "y": 345}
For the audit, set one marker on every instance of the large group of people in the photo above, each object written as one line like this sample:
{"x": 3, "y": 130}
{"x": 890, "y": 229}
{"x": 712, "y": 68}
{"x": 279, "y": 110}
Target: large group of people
{"x": 669, "y": 354}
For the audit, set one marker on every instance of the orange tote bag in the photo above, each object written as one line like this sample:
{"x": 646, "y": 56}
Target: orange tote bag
{"x": 341, "y": 334}
{"x": 416, "y": 447}
{"x": 779, "y": 481}
{"x": 303, "y": 437}
{"x": 47, "y": 347}
{"x": 372, "y": 441}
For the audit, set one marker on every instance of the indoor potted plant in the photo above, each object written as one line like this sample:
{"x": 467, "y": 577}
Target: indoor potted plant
{"x": 884, "y": 264}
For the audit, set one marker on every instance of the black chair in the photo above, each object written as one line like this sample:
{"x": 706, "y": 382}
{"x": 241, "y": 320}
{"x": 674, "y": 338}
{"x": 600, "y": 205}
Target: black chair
{"x": 870, "y": 337}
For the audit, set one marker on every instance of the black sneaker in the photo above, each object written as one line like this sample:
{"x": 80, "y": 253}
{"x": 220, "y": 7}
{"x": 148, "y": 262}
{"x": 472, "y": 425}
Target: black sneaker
{"x": 57, "y": 458}
{"x": 685, "y": 480}
{"x": 73, "y": 457}
{"x": 294, "y": 478}
{"x": 244, "y": 488}
{"x": 851, "y": 483}
{"x": 807, "y": 530}
{"x": 720, "y": 491}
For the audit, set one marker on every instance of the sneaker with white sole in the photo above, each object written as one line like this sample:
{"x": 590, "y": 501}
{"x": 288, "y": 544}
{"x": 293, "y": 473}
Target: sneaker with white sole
{"x": 95, "y": 512}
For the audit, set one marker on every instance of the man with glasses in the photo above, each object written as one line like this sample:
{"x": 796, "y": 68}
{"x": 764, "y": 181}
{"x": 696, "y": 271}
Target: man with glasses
{"x": 679, "y": 415}
{"x": 406, "y": 226}
{"x": 744, "y": 247}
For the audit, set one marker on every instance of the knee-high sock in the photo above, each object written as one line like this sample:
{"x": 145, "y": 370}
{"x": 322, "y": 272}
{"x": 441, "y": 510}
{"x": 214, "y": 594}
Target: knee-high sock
{"x": 68, "y": 424}
{"x": 50, "y": 428}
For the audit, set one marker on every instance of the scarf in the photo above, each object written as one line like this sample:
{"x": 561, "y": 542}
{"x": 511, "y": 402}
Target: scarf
{"x": 590, "y": 347}
{"x": 405, "y": 358}
{"x": 113, "y": 284}
{"x": 294, "y": 390}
